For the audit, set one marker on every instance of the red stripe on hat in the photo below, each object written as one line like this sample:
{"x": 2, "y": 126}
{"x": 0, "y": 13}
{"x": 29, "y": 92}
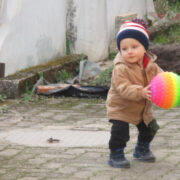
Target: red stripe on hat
{"x": 140, "y": 28}
{"x": 138, "y": 25}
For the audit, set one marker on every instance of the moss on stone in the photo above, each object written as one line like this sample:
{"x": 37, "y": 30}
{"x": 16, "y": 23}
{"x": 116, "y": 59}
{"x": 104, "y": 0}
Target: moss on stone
{"x": 14, "y": 85}
{"x": 60, "y": 61}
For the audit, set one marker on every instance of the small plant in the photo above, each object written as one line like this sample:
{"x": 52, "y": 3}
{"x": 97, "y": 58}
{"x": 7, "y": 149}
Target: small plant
{"x": 68, "y": 52}
{"x": 40, "y": 74}
{"x": 104, "y": 79}
{"x": 112, "y": 55}
{"x": 4, "y": 109}
{"x": 2, "y": 98}
{"x": 62, "y": 76}
{"x": 161, "y": 7}
{"x": 27, "y": 96}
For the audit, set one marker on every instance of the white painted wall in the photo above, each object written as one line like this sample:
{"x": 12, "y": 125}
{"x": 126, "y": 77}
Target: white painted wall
{"x": 93, "y": 23}
{"x": 31, "y": 32}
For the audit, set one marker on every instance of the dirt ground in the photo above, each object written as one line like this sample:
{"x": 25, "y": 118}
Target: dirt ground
{"x": 173, "y": 66}
{"x": 25, "y": 153}
{"x": 168, "y": 57}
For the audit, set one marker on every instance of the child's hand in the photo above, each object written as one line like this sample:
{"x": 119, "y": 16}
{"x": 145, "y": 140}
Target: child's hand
{"x": 146, "y": 93}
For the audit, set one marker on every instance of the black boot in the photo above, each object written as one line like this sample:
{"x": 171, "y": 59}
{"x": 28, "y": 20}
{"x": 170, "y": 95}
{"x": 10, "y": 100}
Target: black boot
{"x": 143, "y": 153}
{"x": 117, "y": 159}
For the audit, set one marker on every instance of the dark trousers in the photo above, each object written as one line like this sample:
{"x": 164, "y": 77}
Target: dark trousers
{"x": 120, "y": 134}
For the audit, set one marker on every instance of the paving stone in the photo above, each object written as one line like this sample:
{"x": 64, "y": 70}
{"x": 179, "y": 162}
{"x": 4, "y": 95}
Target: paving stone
{"x": 24, "y": 162}
{"x": 168, "y": 176}
{"x": 62, "y": 138}
{"x": 2, "y": 171}
{"x": 9, "y": 152}
{"x": 67, "y": 170}
{"x": 52, "y": 165}
{"x": 101, "y": 176}
{"x": 83, "y": 174}
{"x": 28, "y": 178}
{"x": 75, "y": 151}
{"x": 37, "y": 161}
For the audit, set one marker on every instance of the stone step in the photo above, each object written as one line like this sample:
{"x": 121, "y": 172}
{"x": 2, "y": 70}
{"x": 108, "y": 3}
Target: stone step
{"x": 13, "y": 86}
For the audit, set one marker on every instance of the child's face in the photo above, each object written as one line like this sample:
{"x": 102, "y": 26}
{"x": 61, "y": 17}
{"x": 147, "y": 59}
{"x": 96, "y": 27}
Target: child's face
{"x": 132, "y": 50}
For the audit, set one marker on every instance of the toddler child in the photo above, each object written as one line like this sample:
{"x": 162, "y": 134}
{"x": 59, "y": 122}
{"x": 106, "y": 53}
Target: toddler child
{"x": 129, "y": 97}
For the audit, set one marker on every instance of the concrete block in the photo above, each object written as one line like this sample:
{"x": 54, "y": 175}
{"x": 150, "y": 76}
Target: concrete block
{"x": 120, "y": 19}
{"x": 13, "y": 86}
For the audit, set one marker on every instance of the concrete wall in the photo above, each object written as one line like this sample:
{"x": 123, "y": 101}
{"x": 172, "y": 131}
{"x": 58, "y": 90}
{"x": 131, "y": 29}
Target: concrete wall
{"x": 31, "y": 32}
{"x": 92, "y": 23}
{"x": 91, "y": 35}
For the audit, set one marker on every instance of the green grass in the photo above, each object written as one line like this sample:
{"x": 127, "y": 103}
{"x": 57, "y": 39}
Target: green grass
{"x": 175, "y": 7}
{"x": 173, "y": 36}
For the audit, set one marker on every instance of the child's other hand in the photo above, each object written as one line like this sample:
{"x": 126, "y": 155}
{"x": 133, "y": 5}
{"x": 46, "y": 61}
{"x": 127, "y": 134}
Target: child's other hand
{"x": 146, "y": 93}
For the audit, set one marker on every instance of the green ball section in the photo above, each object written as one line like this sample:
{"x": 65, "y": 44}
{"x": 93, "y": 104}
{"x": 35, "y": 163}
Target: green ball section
{"x": 176, "y": 81}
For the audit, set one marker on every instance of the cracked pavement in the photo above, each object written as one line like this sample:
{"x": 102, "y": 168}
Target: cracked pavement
{"x": 26, "y": 158}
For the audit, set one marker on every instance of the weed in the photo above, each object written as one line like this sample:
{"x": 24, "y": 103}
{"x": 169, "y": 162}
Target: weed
{"x": 40, "y": 74}
{"x": 112, "y": 55}
{"x": 5, "y": 109}
{"x": 81, "y": 58}
{"x": 161, "y": 6}
{"x": 2, "y": 97}
{"x": 27, "y": 96}
{"x": 62, "y": 76}
{"x": 104, "y": 79}
{"x": 68, "y": 52}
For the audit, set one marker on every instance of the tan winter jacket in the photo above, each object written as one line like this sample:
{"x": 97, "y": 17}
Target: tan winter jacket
{"x": 124, "y": 100}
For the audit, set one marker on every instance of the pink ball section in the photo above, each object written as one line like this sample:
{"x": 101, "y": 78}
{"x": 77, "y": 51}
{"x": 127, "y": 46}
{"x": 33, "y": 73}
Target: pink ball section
{"x": 157, "y": 90}
{"x": 165, "y": 89}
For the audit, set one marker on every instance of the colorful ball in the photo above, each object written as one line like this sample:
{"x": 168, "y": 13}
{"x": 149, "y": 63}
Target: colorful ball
{"x": 165, "y": 89}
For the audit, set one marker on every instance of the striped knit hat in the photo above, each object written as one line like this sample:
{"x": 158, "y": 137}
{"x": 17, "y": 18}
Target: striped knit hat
{"x": 133, "y": 30}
